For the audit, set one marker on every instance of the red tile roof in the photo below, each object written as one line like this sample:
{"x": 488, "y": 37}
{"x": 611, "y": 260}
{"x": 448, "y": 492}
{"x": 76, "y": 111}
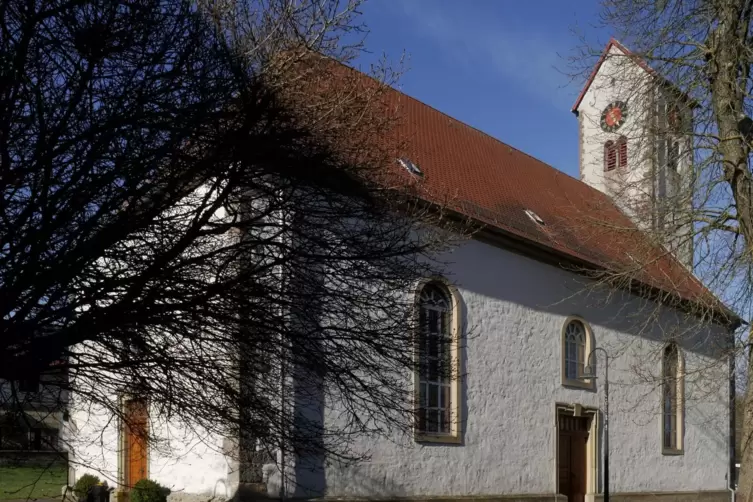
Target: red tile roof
{"x": 481, "y": 177}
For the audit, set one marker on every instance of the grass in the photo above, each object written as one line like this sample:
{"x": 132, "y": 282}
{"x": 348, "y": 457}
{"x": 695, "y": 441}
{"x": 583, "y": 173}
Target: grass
{"x": 31, "y": 482}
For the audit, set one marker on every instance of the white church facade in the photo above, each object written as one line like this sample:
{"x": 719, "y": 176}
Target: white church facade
{"x": 522, "y": 420}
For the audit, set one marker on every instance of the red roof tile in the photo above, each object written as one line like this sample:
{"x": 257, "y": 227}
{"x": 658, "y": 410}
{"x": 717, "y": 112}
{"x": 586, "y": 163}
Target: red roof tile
{"x": 478, "y": 176}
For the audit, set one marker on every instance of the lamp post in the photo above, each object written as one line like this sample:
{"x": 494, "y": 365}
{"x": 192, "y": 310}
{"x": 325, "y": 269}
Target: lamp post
{"x": 590, "y": 373}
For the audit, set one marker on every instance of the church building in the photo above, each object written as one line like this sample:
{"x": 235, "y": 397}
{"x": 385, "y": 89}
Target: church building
{"x": 534, "y": 327}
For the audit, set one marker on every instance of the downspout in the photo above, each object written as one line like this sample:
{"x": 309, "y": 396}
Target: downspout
{"x": 282, "y": 418}
{"x": 732, "y": 481}
{"x": 283, "y": 366}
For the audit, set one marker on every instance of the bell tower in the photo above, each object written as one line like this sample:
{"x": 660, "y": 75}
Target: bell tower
{"x": 634, "y": 145}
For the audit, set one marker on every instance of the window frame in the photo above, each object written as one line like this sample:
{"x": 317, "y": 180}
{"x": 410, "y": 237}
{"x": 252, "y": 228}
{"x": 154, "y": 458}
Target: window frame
{"x": 455, "y": 324}
{"x": 589, "y": 383}
{"x": 679, "y": 448}
{"x": 29, "y": 385}
{"x": 10, "y": 435}
{"x": 27, "y": 433}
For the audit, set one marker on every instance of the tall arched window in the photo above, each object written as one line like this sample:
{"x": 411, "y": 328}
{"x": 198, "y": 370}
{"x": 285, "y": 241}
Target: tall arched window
{"x": 576, "y": 343}
{"x": 437, "y": 373}
{"x": 672, "y": 400}
{"x": 610, "y": 156}
{"x": 575, "y": 349}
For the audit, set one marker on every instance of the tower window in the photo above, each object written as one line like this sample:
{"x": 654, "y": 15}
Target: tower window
{"x": 673, "y": 154}
{"x": 610, "y": 156}
{"x": 615, "y": 154}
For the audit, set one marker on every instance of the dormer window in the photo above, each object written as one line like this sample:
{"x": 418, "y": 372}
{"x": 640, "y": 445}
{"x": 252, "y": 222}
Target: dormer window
{"x": 410, "y": 166}
{"x": 534, "y": 217}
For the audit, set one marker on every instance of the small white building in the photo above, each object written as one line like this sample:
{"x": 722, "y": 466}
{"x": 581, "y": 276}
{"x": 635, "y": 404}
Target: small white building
{"x": 519, "y": 421}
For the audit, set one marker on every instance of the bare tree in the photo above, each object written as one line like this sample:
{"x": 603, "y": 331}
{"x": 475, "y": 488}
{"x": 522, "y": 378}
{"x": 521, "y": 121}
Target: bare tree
{"x": 190, "y": 218}
{"x": 685, "y": 85}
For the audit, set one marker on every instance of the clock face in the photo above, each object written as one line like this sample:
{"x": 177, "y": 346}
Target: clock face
{"x": 614, "y": 116}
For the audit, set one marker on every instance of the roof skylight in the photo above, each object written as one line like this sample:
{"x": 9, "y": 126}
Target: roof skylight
{"x": 410, "y": 166}
{"x": 535, "y": 217}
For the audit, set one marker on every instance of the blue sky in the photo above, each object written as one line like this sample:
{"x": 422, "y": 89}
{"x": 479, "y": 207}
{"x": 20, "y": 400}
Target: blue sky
{"x": 494, "y": 64}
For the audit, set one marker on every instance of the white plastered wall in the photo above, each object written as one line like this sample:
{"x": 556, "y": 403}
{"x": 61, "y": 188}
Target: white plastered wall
{"x": 184, "y": 459}
{"x": 514, "y": 310}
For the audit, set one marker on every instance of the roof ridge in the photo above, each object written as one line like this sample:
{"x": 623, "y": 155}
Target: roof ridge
{"x": 638, "y": 59}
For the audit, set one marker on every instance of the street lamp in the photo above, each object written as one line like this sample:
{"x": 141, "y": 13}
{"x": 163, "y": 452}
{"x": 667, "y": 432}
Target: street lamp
{"x": 589, "y": 373}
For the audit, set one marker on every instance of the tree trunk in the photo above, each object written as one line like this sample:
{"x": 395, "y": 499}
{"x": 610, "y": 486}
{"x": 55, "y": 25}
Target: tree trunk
{"x": 727, "y": 89}
{"x": 727, "y": 83}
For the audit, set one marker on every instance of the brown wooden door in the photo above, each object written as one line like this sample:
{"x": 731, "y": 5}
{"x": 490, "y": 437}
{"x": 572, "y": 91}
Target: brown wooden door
{"x": 571, "y": 463}
{"x": 136, "y": 446}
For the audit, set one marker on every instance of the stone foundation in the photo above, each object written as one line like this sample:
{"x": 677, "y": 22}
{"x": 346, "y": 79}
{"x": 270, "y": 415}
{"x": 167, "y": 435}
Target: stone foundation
{"x": 715, "y": 496}
{"x": 719, "y": 496}
{"x": 544, "y": 497}
{"x": 193, "y": 497}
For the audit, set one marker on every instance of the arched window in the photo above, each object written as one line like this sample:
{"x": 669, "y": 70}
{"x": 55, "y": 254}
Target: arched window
{"x": 672, "y": 400}
{"x": 622, "y": 152}
{"x": 610, "y": 156}
{"x": 575, "y": 349}
{"x": 437, "y": 410}
{"x": 576, "y": 344}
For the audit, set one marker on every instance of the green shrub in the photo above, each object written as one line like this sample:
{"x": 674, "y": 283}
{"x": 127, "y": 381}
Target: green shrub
{"x": 81, "y": 488}
{"x": 147, "y": 490}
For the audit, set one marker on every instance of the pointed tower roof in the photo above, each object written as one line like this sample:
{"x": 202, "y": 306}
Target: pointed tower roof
{"x": 614, "y": 43}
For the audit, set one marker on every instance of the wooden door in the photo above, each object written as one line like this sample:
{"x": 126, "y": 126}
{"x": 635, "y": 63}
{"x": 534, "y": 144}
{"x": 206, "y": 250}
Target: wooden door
{"x": 571, "y": 463}
{"x": 136, "y": 445}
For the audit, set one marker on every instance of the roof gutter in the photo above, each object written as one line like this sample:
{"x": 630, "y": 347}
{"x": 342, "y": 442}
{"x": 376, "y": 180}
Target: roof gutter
{"x": 501, "y": 238}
